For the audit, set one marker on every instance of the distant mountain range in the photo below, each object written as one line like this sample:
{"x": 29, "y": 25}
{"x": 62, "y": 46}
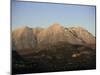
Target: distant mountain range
{"x": 27, "y": 40}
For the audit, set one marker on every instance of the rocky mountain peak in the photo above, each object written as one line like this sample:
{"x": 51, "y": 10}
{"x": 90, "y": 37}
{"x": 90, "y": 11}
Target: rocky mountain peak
{"x": 55, "y": 26}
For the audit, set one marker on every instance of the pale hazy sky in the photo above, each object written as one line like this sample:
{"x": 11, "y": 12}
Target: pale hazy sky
{"x": 34, "y": 14}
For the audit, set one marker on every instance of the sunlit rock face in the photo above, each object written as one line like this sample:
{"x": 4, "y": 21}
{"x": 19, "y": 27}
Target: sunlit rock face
{"x": 55, "y": 34}
{"x": 83, "y": 35}
{"x": 28, "y": 41}
{"x": 23, "y": 40}
{"x": 36, "y": 31}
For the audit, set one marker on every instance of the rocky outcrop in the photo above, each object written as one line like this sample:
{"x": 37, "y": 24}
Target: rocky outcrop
{"x": 23, "y": 38}
{"x": 83, "y": 35}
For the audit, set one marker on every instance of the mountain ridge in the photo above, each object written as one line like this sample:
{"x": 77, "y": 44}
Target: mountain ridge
{"x": 26, "y": 39}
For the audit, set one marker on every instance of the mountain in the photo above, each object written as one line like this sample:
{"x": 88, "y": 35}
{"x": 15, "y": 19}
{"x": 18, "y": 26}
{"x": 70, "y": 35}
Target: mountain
{"x": 56, "y": 34}
{"x": 27, "y": 40}
{"x": 55, "y": 48}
